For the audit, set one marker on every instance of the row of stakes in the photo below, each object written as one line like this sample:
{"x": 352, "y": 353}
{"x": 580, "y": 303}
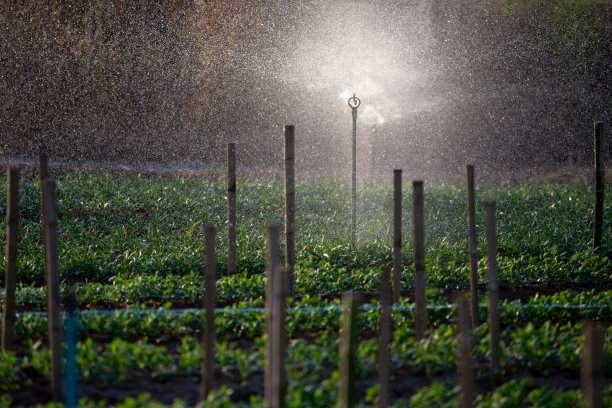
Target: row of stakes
{"x": 281, "y": 283}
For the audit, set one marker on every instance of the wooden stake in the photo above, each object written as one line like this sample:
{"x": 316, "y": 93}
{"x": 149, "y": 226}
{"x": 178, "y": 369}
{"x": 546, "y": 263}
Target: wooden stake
{"x": 471, "y": 205}
{"x": 43, "y": 173}
{"x": 53, "y": 311}
{"x": 272, "y": 255}
{"x": 397, "y": 234}
{"x": 275, "y": 381}
{"x": 598, "y": 149}
{"x": 592, "y": 368}
{"x": 10, "y": 277}
{"x": 210, "y": 281}
{"x": 419, "y": 260}
{"x": 348, "y": 351}
{"x": 493, "y": 291}
{"x": 384, "y": 326}
{"x": 466, "y": 373}
{"x": 43, "y": 176}
{"x": 290, "y": 207}
{"x": 231, "y": 209}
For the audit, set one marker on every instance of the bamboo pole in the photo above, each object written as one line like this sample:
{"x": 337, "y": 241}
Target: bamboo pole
{"x": 275, "y": 381}
{"x": 10, "y": 279}
{"x": 210, "y": 281}
{"x": 592, "y": 367}
{"x": 493, "y": 291}
{"x": 348, "y": 351}
{"x": 231, "y": 209}
{"x": 384, "y": 326}
{"x": 466, "y": 373}
{"x": 599, "y": 136}
{"x": 419, "y": 260}
{"x": 397, "y": 234}
{"x": 471, "y": 205}
{"x": 290, "y": 207}
{"x": 53, "y": 311}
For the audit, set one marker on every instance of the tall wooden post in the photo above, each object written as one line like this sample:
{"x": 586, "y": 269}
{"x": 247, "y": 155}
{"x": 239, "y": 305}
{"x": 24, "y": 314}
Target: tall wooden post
{"x": 599, "y": 143}
{"x": 384, "y": 326}
{"x": 348, "y": 351}
{"x": 210, "y": 281}
{"x": 466, "y": 373}
{"x": 10, "y": 277}
{"x": 592, "y": 367}
{"x": 53, "y": 311}
{"x": 275, "y": 381}
{"x": 397, "y": 234}
{"x": 290, "y": 207}
{"x": 419, "y": 260}
{"x": 43, "y": 176}
{"x": 471, "y": 205}
{"x": 231, "y": 209}
{"x": 493, "y": 291}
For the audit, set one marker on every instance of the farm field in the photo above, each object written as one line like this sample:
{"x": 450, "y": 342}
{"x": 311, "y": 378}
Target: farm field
{"x": 131, "y": 262}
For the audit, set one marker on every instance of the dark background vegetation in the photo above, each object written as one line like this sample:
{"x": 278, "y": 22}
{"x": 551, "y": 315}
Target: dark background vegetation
{"x": 172, "y": 81}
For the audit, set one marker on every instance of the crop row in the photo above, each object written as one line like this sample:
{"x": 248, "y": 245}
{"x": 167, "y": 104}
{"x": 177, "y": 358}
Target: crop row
{"x": 315, "y": 315}
{"x": 320, "y": 278}
{"x": 148, "y": 226}
{"x": 517, "y": 393}
{"x": 541, "y": 350}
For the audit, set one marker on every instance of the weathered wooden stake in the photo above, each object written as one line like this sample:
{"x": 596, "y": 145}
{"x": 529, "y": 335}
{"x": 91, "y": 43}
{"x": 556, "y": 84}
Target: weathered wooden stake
{"x": 466, "y": 373}
{"x": 384, "y": 326}
{"x": 210, "y": 281}
{"x": 231, "y": 209}
{"x": 275, "y": 381}
{"x": 471, "y": 205}
{"x": 53, "y": 311}
{"x": 290, "y": 208}
{"x": 43, "y": 174}
{"x": 10, "y": 277}
{"x": 592, "y": 367}
{"x": 419, "y": 260}
{"x": 599, "y": 183}
{"x": 493, "y": 291}
{"x": 348, "y": 351}
{"x": 397, "y": 234}
{"x": 43, "y": 177}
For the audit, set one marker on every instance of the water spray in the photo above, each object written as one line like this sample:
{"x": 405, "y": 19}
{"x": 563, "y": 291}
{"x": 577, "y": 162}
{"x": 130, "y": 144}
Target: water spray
{"x": 354, "y": 103}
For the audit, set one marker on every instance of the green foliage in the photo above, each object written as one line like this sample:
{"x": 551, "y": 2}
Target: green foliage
{"x": 440, "y": 395}
{"x": 10, "y": 378}
{"x": 318, "y": 316}
{"x": 546, "y": 348}
{"x": 119, "y": 229}
{"x": 128, "y": 241}
{"x": 520, "y": 393}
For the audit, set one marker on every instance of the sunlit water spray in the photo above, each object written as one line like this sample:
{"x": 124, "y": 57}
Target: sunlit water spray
{"x": 378, "y": 54}
{"x": 442, "y": 83}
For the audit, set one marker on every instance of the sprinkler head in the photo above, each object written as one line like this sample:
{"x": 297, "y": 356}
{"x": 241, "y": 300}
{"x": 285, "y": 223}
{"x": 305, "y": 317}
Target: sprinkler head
{"x": 354, "y": 102}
